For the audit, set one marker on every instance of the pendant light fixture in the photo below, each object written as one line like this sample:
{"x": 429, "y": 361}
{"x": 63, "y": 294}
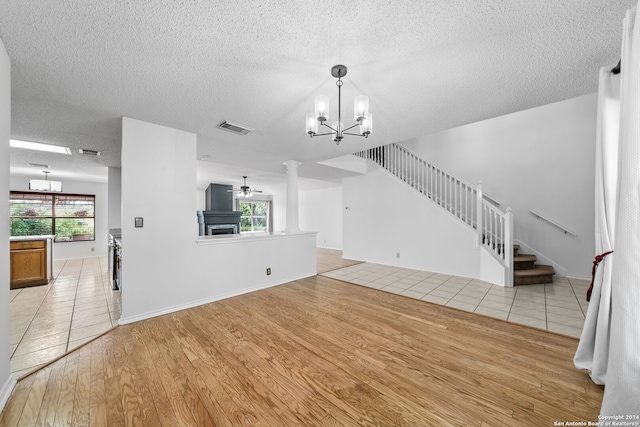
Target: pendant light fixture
{"x": 320, "y": 116}
{"x": 45, "y": 184}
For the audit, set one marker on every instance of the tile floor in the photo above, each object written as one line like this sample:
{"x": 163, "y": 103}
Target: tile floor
{"x": 559, "y": 306}
{"x": 49, "y": 320}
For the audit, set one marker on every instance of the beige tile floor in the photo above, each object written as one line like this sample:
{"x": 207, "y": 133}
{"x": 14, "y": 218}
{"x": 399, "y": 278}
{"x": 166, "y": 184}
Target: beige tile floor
{"x": 48, "y": 321}
{"x": 559, "y": 306}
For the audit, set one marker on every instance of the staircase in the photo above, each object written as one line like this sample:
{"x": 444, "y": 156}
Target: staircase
{"x": 527, "y": 272}
{"x": 463, "y": 200}
{"x": 466, "y": 201}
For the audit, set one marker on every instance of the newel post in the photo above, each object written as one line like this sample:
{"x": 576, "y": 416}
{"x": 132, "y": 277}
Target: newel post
{"x": 479, "y": 214}
{"x": 508, "y": 248}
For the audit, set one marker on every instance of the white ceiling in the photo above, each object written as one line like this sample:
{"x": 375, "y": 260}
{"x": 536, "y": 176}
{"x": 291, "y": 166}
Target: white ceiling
{"x": 426, "y": 65}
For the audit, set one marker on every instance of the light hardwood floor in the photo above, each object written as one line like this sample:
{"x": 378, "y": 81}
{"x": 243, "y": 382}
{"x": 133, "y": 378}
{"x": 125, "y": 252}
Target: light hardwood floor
{"x": 313, "y": 352}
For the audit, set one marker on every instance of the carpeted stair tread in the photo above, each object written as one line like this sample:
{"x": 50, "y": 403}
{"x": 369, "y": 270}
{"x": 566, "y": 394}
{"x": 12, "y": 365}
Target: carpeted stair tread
{"x": 539, "y": 274}
{"x": 539, "y": 270}
{"x": 524, "y": 262}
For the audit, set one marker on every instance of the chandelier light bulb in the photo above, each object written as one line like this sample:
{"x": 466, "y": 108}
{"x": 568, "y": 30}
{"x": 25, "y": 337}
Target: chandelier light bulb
{"x": 360, "y": 107}
{"x": 366, "y": 125}
{"x": 322, "y": 108}
{"x": 312, "y": 124}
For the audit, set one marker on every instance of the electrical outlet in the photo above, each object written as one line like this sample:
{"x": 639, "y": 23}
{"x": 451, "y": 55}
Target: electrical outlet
{"x": 397, "y": 254}
{"x": 269, "y": 271}
{"x": 93, "y": 249}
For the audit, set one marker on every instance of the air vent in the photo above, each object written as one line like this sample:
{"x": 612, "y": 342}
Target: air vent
{"x": 235, "y": 128}
{"x": 38, "y": 165}
{"x": 89, "y": 152}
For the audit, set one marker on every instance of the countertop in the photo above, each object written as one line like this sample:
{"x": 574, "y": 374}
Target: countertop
{"x": 24, "y": 238}
{"x": 245, "y": 237}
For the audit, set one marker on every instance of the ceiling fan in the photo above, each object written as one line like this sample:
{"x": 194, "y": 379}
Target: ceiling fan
{"x": 245, "y": 190}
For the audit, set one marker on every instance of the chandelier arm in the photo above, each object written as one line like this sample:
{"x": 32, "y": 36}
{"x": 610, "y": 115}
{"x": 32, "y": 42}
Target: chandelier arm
{"x": 350, "y": 127}
{"x": 322, "y": 134}
{"x": 324, "y": 124}
{"x": 354, "y": 134}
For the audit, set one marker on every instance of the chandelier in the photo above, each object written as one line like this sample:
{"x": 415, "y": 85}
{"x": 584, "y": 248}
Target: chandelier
{"x": 361, "y": 113}
{"x": 45, "y": 184}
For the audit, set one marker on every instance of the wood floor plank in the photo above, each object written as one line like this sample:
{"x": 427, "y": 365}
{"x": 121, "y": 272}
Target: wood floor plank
{"x": 316, "y": 351}
{"x": 34, "y": 401}
{"x": 113, "y": 394}
{"x": 82, "y": 396}
{"x": 64, "y": 409}
{"x": 172, "y": 378}
{"x": 46, "y": 416}
{"x": 98, "y": 398}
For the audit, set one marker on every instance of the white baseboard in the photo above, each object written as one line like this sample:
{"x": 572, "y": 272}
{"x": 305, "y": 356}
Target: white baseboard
{"x": 5, "y": 391}
{"x": 173, "y": 309}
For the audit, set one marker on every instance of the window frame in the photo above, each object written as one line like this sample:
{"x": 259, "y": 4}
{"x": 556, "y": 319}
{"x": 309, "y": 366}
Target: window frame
{"x": 53, "y": 217}
{"x": 253, "y": 200}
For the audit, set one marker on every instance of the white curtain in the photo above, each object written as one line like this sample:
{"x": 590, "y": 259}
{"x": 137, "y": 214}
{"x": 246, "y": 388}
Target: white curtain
{"x": 593, "y": 349}
{"x": 622, "y": 389}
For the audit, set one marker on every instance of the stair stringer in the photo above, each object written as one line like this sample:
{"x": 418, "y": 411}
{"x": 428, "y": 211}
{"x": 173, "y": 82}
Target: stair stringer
{"x": 541, "y": 258}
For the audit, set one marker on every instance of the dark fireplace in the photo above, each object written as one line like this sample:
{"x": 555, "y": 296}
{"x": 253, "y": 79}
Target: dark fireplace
{"x": 219, "y": 216}
{"x": 213, "y": 229}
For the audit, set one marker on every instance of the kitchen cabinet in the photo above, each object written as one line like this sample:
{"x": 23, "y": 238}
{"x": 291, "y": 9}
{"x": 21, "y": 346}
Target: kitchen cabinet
{"x": 28, "y": 263}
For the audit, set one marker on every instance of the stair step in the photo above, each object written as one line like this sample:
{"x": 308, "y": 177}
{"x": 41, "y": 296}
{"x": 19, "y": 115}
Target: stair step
{"x": 537, "y": 275}
{"x": 524, "y": 262}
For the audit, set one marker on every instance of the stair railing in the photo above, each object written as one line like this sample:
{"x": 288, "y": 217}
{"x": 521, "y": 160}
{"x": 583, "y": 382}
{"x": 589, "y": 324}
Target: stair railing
{"x": 460, "y": 198}
{"x": 455, "y": 195}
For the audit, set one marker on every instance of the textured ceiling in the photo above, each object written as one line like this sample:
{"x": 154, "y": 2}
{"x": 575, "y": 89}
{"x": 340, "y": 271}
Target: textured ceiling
{"x": 426, "y": 65}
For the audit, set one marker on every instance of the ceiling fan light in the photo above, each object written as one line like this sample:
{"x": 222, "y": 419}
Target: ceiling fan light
{"x": 322, "y": 108}
{"x": 360, "y": 107}
{"x": 312, "y": 124}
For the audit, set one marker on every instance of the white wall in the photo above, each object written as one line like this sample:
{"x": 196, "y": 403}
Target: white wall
{"x": 163, "y": 268}
{"x": 6, "y": 381}
{"x": 114, "y": 197}
{"x": 321, "y": 211}
{"x": 540, "y": 159}
{"x": 81, "y": 249}
{"x": 383, "y": 216}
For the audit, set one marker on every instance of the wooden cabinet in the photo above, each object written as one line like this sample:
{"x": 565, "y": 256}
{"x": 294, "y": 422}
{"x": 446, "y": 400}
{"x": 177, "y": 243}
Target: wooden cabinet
{"x": 28, "y": 263}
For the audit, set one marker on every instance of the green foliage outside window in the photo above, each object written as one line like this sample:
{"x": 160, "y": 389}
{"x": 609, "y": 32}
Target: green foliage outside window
{"x": 254, "y": 216}
{"x": 69, "y": 217}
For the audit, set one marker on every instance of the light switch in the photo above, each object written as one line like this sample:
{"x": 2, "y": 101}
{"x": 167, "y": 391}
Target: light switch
{"x": 138, "y": 222}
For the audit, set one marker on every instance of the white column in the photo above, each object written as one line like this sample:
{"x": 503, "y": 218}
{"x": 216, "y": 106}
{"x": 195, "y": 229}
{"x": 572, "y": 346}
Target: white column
{"x": 292, "y": 197}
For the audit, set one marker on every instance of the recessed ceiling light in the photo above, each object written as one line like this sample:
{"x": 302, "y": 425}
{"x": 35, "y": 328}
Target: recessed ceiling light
{"x": 16, "y": 143}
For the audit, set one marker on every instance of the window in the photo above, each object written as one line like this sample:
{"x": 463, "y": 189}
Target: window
{"x": 70, "y": 217}
{"x": 255, "y": 215}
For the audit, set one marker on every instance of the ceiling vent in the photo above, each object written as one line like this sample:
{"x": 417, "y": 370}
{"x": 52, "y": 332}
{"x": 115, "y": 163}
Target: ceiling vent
{"x": 234, "y": 128}
{"x": 89, "y": 152}
{"x": 38, "y": 165}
